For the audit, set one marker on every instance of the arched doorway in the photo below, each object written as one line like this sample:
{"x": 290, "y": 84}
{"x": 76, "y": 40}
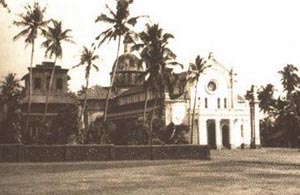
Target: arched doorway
{"x": 225, "y": 136}
{"x": 211, "y": 134}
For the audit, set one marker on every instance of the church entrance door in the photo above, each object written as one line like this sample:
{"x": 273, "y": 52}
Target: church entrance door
{"x": 211, "y": 134}
{"x": 225, "y": 136}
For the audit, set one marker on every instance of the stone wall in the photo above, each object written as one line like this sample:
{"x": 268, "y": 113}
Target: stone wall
{"x": 46, "y": 153}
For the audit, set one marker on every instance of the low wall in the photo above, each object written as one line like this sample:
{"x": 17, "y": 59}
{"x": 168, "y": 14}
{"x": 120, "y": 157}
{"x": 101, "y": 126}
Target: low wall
{"x": 54, "y": 153}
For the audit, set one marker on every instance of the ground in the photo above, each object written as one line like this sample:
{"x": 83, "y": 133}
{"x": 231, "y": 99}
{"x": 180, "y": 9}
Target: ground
{"x": 263, "y": 171}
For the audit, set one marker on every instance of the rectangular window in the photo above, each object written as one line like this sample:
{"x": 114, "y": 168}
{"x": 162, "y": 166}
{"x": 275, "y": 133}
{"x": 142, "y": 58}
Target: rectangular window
{"x": 225, "y": 103}
{"x": 59, "y": 84}
{"x": 47, "y": 82}
{"x": 206, "y": 103}
{"x": 37, "y": 83}
{"x": 219, "y": 103}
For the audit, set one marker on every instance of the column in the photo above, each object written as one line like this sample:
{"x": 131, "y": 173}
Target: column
{"x": 202, "y": 128}
{"x": 218, "y": 134}
{"x": 256, "y": 128}
{"x": 231, "y": 133}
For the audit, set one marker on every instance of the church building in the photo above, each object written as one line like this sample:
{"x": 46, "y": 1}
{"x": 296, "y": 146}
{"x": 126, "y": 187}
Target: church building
{"x": 222, "y": 119}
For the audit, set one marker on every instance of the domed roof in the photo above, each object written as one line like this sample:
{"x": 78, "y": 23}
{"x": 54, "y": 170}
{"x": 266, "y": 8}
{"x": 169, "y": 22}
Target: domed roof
{"x": 128, "y": 71}
{"x": 129, "y": 62}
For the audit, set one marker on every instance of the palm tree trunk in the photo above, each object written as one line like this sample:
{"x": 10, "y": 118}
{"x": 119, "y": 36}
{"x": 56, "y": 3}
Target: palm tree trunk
{"x": 145, "y": 106}
{"x": 194, "y": 110}
{"x": 151, "y": 127}
{"x": 49, "y": 91}
{"x": 30, "y": 88}
{"x": 151, "y": 121}
{"x": 110, "y": 89}
{"x": 84, "y": 103}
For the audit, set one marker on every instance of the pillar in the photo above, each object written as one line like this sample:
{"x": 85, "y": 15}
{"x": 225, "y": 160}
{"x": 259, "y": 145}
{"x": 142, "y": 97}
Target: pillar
{"x": 202, "y": 128}
{"x": 218, "y": 134}
{"x": 254, "y": 119}
{"x": 231, "y": 133}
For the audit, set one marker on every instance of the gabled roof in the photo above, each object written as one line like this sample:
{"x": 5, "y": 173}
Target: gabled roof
{"x": 215, "y": 64}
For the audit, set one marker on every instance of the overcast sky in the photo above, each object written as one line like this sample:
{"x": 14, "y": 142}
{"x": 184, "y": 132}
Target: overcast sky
{"x": 257, "y": 38}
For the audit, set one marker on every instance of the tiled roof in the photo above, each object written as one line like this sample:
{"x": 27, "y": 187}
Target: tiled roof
{"x": 132, "y": 90}
{"x": 96, "y": 92}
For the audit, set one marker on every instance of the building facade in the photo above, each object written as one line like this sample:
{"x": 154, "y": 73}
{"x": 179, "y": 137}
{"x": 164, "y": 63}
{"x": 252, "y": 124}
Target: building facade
{"x": 222, "y": 119}
{"x": 58, "y": 97}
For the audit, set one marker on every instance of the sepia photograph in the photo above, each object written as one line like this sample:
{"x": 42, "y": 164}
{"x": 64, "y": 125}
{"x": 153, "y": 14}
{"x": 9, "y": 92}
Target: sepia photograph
{"x": 167, "y": 97}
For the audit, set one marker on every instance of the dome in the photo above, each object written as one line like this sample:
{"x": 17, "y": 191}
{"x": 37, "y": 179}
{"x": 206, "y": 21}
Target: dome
{"x": 129, "y": 62}
{"x": 128, "y": 71}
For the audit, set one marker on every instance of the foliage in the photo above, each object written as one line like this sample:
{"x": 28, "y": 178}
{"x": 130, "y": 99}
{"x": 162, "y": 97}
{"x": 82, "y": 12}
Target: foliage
{"x": 10, "y": 87}
{"x": 135, "y": 133}
{"x": 87, "y": 58}
{"x": 194, "y": 72}
{"x": 11, "y": 127}
{"x": 121, "y": 24}
{"x": 266, "y": 98}
{"x": 282, "y": 123}
{"x": 98, "y": 131}
{"x": 120, "y": 21}
{"x": 55, "y": 35}
{"x": 33, "y": 21}
{"x": 290, "y": 79}
{"x": 11, "y": 93}
{"x": 158, "y": 58}
{"x": 66, "y": 124}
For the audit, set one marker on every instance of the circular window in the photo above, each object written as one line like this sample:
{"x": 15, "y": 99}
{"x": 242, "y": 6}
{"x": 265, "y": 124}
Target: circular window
{"x": 211, "y": 86}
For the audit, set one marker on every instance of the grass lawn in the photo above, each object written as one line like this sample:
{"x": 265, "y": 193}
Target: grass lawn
{"x": 264, "y": 171}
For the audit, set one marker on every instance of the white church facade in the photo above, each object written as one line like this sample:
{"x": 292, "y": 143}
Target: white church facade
{"x": 223, "y": 118}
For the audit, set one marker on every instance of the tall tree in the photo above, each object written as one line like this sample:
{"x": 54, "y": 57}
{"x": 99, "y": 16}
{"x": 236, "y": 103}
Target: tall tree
{"x": 289, "y": 115}
{"x": 55, "y": 36}
{"x": 159, "y": 60}
{"x": 194, "y": 72}
{"x": 33, "y": 21}
{"x": 10, "y": 92}
{"x": 121, "y": 28}
{"x": 87, "y": 58}
{"x": 289, "y": 78}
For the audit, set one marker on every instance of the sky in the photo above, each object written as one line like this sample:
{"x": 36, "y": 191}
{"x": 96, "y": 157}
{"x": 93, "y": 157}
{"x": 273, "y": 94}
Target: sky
{"x": 256, "y": 38}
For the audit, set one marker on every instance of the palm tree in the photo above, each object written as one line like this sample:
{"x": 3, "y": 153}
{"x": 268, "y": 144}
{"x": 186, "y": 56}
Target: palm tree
{"x": 55, "y": 35}
{"x": 289, "y": 113}
{"x": 290, "y": 79}
{"x": 34, "y": 22}
{"x": 194, "y": 72}
{"x": 10, "y": 87}
{"x": 265, "y": 96}
{"x": 87, "y": 58}
{"x": 121, "y": 24}
{"x": 158, "y": 59}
